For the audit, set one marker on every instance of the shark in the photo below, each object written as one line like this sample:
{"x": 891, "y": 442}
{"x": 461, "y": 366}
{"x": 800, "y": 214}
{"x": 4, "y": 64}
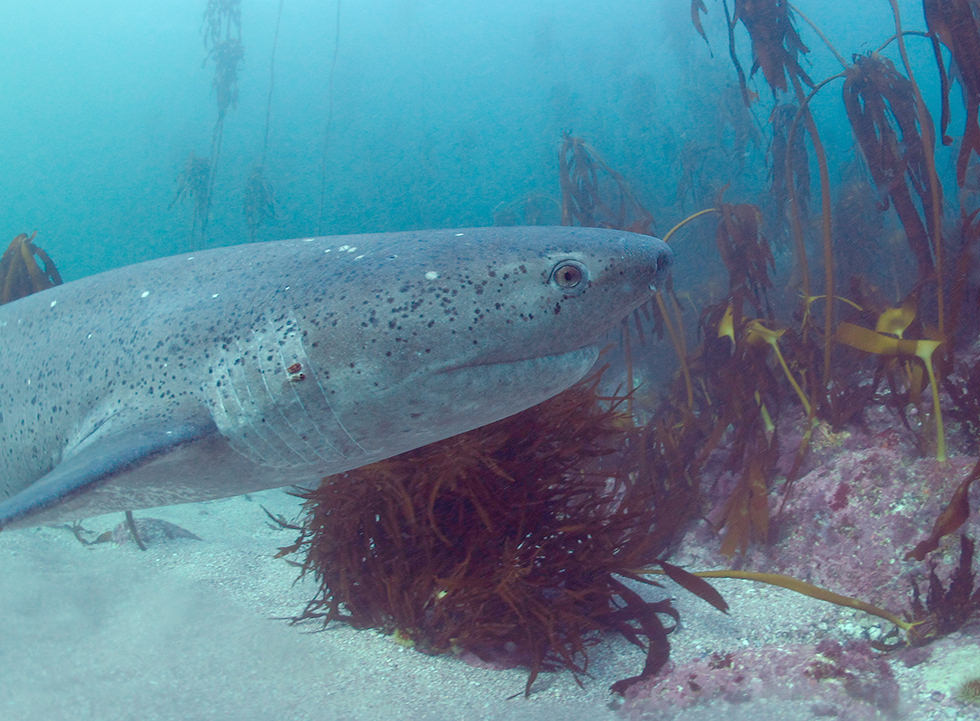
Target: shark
{"x": 263, "y": 365}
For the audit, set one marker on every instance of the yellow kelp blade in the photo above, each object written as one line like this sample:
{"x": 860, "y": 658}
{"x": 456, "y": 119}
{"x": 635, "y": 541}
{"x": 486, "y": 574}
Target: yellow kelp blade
{"x": 871, "y": 341}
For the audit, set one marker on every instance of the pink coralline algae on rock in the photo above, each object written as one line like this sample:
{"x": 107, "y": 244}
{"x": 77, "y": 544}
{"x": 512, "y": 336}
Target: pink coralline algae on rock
{"x": 849, "y": 521}
{"x": 848, "y": 681}
{"x": 865, "y": 498}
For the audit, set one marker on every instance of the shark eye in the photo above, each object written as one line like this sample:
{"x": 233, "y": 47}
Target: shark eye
{"x": 570, "y": 276}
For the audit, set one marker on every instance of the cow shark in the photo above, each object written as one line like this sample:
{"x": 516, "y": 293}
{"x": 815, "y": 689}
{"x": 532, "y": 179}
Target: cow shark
{"x": 236, "y": 369}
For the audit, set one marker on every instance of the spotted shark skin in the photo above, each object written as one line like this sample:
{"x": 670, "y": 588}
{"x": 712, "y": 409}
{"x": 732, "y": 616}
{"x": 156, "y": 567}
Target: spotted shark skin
{"x": 232, "y": 370}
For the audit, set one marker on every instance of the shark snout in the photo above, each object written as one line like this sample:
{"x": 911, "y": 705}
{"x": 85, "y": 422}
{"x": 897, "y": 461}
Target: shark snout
{"x": 663, "y": 259}
{"x": 649, "y": 261}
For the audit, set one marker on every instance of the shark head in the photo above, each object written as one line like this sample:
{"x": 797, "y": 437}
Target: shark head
{"x": 455, "y": 329}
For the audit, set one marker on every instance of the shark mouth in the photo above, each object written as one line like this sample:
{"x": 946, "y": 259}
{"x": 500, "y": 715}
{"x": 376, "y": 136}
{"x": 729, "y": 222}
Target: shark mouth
{"x": 577, "y": 357}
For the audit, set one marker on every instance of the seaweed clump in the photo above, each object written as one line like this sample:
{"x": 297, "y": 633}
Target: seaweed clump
{"x": 511, "y": 542}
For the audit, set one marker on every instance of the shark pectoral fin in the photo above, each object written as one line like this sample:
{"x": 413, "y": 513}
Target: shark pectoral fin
{"x": 98, "y": 459}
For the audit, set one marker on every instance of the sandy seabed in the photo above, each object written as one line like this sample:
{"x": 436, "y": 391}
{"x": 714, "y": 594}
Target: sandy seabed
{"x": 194, "y": 630}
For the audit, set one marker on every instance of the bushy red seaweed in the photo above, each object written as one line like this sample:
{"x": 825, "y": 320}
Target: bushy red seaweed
{"x": 512, "y": 542}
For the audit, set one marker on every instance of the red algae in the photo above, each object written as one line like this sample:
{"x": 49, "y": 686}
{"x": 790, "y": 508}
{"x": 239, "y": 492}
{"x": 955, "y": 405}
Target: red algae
{"x": 844, "y": 680}
{"x": 850, "y": 520}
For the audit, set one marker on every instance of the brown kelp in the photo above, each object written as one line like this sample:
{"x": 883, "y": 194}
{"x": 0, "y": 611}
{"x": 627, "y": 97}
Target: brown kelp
{"x": 789, "y": 162}
{"x": 595, "y": 195}
{"x": 777, "y": 49}
{"x": 194, "y": 184}
{"x": 694, "y": 183}
{"x": 698, "y": 7}
{"x": 956, "y": 24}
{"x": 258, "y": 203}
{"x": 747, "y": 256}
{"x": 952, "y": 517}
{"x": 222, "y": 32}
{"x": 221, "y": 29}
{"x": 887, "y": 341}
{"x": 508, "y": 542}
{"x": 25, "y": 268}
{"x": 946, "y": 608}
{"x": 731, "y": 406}
{"x": 776, "y": 45}
{"x": 881, "y": 107}
{"x": 739, "y": 364}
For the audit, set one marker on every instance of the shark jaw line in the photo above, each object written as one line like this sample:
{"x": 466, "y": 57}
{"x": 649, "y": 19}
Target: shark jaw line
{"x": 589, "y": 351}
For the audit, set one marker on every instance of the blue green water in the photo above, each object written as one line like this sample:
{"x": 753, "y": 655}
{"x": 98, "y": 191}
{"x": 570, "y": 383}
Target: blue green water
{"x": 442, "y": 111}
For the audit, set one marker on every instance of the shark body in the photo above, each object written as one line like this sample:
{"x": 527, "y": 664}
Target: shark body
{"x": 232, "y": 370}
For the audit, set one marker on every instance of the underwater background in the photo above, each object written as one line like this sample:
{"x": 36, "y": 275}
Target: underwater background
{"x": 441, "y": 112}
{"x": 812, "y": 445}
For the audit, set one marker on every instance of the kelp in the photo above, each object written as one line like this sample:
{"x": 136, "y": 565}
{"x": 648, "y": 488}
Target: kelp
{"x": 881, "y": 107}
{"x": 695, "y": 182}
{"x": 965, "y": 290}
{"x": 747, "y": 256}
{"x": 736, "y": 393}
{"x": 886, "y": 340}
{"x": 777, "y": 49}
{"x": 194, "y": 185}
{"x": 950, "y": 519}
{"x": 802, "y": 587}
{"x": 258, "y": 203}
{"x": 736, "y": 383}
{"x": 956, "y": 24}
{"x": 25, "y": 268}
{"x": 776, "y": 45}
{"x": 746, "y": 400}
{"x": 227, "y": 56}
{"x": 506, "y": 542}
{"x": 857, "y": 218}
{"x": 946, "y": 608}
{"x": 220, "y": 18}
{"x": 737, "y": 135}
{"x": 735, "y": 386}
{"x": 595, "y": 195}
{"x": 726, "y": 385}
{"x": 698, "y": 7}
{"x": 789, "y": 163}
{"x": 221, "y": 30}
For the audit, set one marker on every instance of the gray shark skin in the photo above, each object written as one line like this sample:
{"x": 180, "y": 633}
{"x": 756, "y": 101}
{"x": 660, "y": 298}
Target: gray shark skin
{"x": 232, "y": 370}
